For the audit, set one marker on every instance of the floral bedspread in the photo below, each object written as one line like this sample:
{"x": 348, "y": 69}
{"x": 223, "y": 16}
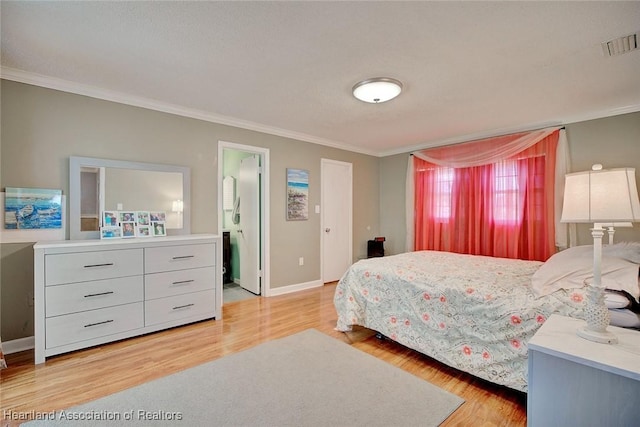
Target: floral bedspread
{"x": 473, "y": 313}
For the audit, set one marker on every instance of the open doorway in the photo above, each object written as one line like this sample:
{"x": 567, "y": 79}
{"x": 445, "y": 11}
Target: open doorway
{"x": 243, "y": 198}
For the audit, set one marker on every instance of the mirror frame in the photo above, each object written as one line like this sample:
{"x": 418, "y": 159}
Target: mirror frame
{"x": 77, "y": 163}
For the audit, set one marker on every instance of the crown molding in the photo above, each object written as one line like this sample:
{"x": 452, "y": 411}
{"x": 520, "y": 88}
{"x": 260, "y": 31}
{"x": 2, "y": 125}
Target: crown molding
{"x": 634, "y": 108}
{"x": 48, "y": 82}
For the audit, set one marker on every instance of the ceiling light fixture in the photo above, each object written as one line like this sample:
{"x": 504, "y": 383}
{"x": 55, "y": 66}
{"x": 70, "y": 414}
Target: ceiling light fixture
{"x": 377, "y": 90}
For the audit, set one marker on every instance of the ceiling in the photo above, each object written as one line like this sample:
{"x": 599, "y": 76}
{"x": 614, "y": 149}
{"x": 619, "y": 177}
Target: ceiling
{"x": 469, "y": 69}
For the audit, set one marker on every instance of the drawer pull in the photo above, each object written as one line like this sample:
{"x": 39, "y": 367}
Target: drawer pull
{"x": 182, "y": 282}
{"x": 97, "y": 295}
{"x": 176, "y": 258}
{"x": 96, "y": 324}
{"x": 108, "y": 264}
{"x": 182, "y": 306}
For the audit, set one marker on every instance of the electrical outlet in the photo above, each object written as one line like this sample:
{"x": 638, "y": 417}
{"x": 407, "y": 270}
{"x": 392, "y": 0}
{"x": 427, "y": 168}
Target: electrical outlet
{"x": 301, "y": 261}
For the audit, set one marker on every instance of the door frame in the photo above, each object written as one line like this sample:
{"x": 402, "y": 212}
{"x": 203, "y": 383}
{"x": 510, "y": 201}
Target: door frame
{"x": 264, "y": 205}
{"x": 323, "y": 162}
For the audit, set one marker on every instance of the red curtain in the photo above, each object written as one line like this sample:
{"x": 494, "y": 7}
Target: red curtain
{"x": 501, "y": 209}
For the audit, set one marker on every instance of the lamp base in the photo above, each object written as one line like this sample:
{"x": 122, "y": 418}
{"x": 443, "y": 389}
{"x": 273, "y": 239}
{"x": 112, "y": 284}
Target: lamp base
{"x": 605, "y": 337}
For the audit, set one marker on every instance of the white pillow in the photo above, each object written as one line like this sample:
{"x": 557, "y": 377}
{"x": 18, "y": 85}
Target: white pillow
{"x": 629, "y": 251}
{"x": 624, "y": 318}
{"x": 614, "y": 300}
{"x": 573, "y": 268}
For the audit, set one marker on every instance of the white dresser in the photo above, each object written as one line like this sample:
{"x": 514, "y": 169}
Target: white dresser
{"x": 576, "y": 382}
{"x": 89, "y": 292}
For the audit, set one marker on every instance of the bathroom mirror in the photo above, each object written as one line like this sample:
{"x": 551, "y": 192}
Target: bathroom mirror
{"x": 96, "y": 185}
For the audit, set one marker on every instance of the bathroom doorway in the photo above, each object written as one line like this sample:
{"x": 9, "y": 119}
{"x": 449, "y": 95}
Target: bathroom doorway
{"x": 243, "y": 217}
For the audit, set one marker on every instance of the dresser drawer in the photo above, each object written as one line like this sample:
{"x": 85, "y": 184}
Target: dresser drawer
{"x": 76, "y": 297}
{"x": 63, "y": 330}
{"x": 179, "y": 307}
{"x": 160, "y": 285}
{"x": 86, "y": 266}
{"x": 169, "y": 258}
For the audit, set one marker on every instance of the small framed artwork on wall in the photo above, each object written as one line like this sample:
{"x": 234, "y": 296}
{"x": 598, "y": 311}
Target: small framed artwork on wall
{"x": 297, "y": 194}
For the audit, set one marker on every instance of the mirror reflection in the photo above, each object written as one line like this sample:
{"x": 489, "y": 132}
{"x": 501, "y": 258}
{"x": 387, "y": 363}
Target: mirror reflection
{"x": 97, "y": 185}
{"x": 131, "y": 190}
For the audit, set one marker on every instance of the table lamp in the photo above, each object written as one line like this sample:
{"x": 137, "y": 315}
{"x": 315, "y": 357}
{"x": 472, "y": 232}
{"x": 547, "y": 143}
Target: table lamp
{"x": 600, "y": 196}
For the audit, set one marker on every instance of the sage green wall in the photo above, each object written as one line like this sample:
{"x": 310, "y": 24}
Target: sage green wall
{"x": 41, "y": 128}
{"x": 393, "y": 170}
{"x": 16, "y": 292}
{"x": 613, "y": 141}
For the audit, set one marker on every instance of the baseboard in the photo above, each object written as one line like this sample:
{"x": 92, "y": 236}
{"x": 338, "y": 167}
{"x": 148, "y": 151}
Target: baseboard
{"x": 294, "y": 288}
{"x": 16, "y": 346}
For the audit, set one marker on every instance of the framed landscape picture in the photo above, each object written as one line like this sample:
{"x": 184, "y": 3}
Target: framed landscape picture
{"x": 297, "y": 194}
{"x": 32, "y": 208}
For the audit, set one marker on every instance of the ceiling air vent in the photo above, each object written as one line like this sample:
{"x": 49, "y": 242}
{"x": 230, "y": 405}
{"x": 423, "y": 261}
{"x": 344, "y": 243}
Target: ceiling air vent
{"x": 620, "y": 45}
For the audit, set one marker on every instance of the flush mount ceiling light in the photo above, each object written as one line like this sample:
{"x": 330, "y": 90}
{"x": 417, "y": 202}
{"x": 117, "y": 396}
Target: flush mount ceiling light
{"x": 377, "y": 90}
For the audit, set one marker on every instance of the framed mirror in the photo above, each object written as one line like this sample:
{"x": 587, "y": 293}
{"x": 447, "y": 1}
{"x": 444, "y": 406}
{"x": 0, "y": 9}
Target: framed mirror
{"x": 97, "y": 185}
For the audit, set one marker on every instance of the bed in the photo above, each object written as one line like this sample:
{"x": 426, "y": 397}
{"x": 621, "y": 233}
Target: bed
{"x": 474, "y": 313}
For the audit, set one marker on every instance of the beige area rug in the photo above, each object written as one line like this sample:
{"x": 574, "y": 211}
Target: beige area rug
{"x": 306, "y": 379}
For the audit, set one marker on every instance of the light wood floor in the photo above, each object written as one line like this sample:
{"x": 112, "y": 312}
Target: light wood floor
{"x": 86, "y": 375}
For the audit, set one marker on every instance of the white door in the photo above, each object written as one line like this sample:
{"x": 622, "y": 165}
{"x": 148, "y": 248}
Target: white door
{"x": 249, "y": 226}
{"x": 336, "y": 219}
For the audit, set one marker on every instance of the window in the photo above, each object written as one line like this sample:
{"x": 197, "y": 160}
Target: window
{"x": 443, "y": 188}
{"x": 505, "y": 195}
{"x": 502, "y": 208}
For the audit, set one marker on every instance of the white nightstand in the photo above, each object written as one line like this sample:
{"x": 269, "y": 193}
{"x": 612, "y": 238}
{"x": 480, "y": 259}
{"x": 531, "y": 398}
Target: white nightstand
{"x": 576, "y": 382}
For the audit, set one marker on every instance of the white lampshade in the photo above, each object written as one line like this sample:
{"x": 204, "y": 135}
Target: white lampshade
{"x": 377, "y": 90}
{"x": 603, "y": 196}
{"x": 614, "y": 224}
{"x": 177, "y": 206}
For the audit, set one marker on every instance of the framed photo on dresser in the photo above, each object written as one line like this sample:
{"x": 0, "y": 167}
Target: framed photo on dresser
{"x": 142, "y": 218}
{"x": 109, "y": 218}
{"x": 157, "y": 216}
{"x": 143, "y": 230}
{"x": 126, "y": 216}
{"x": 158, "y": 228}
{"x": 128, "y": 229}
{"x": 111, "y": 232}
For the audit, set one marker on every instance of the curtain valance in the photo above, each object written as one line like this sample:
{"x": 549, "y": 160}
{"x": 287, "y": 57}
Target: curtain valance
{"x": 489, "y": 151}
{"x": 483, "y": 151}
